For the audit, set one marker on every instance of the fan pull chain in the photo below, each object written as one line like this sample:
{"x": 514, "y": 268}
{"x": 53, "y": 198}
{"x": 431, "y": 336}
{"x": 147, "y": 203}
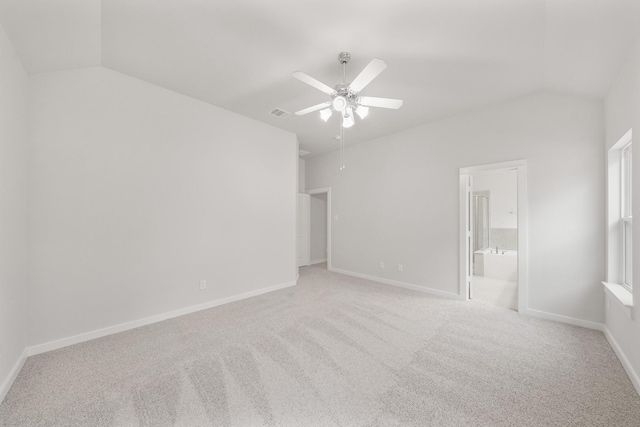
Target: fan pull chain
{"x": 341, "y": 147}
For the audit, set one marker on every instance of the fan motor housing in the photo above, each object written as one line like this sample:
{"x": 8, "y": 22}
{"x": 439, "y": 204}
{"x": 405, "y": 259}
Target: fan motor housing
{"x": 343, "y": 92}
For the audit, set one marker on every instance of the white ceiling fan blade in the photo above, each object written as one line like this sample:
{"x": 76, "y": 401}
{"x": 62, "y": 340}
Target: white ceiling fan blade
{"x": 369, "y": 101}
{"x": 366, "y": 76}
{"x": 312, "y": 109}
{"x": 305, "y": 78}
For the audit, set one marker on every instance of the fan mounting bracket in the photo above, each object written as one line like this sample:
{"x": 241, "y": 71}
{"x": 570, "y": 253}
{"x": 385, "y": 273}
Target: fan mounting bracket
{"x": 344, "y": 57}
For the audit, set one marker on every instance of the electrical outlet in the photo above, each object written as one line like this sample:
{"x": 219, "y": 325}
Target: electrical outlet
{"x": 400, "y": 267}
{"x": 203, "y": 284}
{"x": 381, "y": 264}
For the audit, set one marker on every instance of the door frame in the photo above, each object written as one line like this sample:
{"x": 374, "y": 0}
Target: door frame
{"x": 326, "y": 190}
{"x": 523, "y": 257}
{"x": 303, "y": 229}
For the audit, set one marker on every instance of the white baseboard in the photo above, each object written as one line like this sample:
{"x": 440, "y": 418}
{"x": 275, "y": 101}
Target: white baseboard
{"x": 6, "y": 386}
{"x": 633, "y": 375}
{"x": 564, "y": 319}
{"x": 411, "y": 286}
{"x": 317, "y": 261}
{"x": 54, "y": 345}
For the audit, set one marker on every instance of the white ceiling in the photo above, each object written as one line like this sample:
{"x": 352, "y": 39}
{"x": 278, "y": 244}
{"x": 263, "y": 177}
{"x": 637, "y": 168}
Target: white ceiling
{"x": 443, "y": 56}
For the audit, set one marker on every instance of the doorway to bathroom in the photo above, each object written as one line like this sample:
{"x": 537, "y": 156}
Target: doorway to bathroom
{"x": 493, "y": 234}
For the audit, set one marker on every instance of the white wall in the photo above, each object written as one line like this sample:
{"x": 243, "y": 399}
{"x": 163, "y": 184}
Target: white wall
{"x": 397, "y": 199}
{"x": 138, "y": 193}
{"x": 503, "y": 203}
{"x": 622, "y": 112}
{"x": 301, "y": 175}
{"x": 13, "y": 211}
{"x": 318, "y": 212}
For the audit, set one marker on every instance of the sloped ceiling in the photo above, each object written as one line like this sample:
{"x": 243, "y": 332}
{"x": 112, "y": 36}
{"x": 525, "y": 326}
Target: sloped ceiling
{"x": 444, "y": 56}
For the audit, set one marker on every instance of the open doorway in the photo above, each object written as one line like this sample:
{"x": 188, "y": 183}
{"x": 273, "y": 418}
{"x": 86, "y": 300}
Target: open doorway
{"x": 494, "y": 207}
{"x": 493, "y": 234}
{"x": 320, "y": 228}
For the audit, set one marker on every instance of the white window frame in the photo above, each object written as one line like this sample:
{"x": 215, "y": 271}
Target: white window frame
{"x": 626, "y": 216}
{"x": 619, "y": 282}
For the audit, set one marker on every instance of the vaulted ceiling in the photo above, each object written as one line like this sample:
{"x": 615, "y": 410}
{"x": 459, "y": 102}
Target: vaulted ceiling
{"x": 444, "y": 56}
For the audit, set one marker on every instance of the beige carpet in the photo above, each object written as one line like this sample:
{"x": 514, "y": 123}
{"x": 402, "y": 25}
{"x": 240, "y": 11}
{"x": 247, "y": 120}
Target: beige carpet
{"x": 489, "y": 290}
{"x": 332, "y": 351}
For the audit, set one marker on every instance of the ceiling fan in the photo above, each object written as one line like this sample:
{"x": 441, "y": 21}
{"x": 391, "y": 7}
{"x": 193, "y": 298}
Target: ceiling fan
{"x": 345, "y": 98}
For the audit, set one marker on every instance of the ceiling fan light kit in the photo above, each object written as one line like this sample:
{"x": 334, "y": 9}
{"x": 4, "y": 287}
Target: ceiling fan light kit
{"x": 347, "y": 119}
{"x": 326, "y": 114}
{"x": 345, "y": 97}
{"x": 339, "y": 103}
{"x": 362, "y": 111}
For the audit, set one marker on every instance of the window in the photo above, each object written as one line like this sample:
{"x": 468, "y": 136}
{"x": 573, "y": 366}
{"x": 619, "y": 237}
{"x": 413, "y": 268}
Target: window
{"x": 620, "y": 220}
{"x": 626, "y": 217}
